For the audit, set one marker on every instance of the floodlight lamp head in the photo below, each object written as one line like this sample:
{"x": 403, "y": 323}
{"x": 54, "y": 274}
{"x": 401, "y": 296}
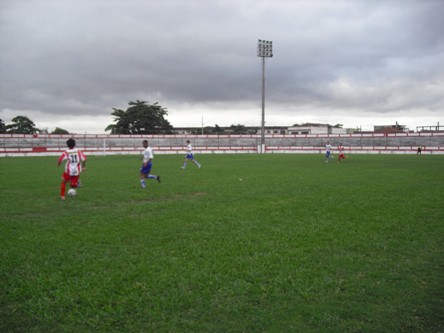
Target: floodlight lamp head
{"x": 264, "y": 48}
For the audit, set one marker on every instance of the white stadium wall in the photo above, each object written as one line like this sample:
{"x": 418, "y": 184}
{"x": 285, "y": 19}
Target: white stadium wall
{"x": 373, "y": 143}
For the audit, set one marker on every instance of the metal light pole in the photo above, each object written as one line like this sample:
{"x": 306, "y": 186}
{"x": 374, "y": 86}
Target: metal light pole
{"x": 264, "y": 50}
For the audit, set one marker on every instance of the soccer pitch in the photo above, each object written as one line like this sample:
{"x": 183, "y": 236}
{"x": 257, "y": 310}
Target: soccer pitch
{"x": 247, "y": 243}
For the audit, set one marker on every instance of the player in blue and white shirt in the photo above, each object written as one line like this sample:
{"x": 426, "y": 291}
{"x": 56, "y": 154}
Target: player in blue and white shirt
{"x": 327, "y": 151}
{"x": 190, "y": 156}
{"x": 147, "y": 157}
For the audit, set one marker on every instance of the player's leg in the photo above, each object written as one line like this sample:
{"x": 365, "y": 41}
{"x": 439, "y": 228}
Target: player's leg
{"x": 65, "y": 179}
{"x": 142, "y": 179}
{"x": 74, "y": 181}
{"x": 62, "y": 190}
{"x": 143, "y": 174}
{"x": 145, "y": 171}
{"x": 185, "y": 162}
{"x": 197, "y": 163}
{"x": 150, "y": 176}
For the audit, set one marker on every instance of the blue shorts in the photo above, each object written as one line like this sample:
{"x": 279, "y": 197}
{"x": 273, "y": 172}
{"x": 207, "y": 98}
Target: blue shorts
{"x": 190, "y": 156}
{"x": 327, "y": 154}
{"x": 146, "y": 170}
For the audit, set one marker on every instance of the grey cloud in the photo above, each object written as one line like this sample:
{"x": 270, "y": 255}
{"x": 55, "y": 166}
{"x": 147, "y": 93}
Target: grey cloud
{"x": 83, "y": 57}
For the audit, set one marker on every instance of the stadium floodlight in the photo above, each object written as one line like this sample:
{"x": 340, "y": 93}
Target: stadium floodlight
{"x": 264, "y": 50}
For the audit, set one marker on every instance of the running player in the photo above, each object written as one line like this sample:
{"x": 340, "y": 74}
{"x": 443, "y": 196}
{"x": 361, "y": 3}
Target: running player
{"x": 327, "y": 151}
{"x": 147, "y": 157}
{"x": 190, "y": 156}
{"x": 341, "y": 152}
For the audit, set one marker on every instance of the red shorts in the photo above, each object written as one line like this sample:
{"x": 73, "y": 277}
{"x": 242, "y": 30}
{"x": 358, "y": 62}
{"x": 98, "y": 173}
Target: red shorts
{"x": 341, "y": 156}
{"x": 73, "y": 180}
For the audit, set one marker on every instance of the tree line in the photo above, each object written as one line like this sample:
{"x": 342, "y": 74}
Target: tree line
{"x": 140, "y": 117}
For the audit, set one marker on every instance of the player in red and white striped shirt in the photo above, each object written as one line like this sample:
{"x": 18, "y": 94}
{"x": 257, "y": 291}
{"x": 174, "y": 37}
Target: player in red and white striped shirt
{"x": 75, "y": 163}
{"x": 341, "y": 152}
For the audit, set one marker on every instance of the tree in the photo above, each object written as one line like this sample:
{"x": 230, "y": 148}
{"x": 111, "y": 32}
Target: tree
{"x": 400, "y": 127}
{"x": 22, "y": 125}
{"x": 238, "y": 129}
{"x": 59, "y": 130}
{"x": 208, "y": 130}
{"x": 140, "y": 118}
{"x": 218, "y": 129}
{"x": 2, "y": 126}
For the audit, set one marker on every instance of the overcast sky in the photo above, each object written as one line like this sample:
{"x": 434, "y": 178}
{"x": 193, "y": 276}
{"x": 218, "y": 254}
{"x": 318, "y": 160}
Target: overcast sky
{"x": 67, "y": 63}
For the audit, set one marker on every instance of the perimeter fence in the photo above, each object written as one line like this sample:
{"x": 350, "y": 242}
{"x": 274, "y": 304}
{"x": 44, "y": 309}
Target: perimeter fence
{"x": 98, "y": 144}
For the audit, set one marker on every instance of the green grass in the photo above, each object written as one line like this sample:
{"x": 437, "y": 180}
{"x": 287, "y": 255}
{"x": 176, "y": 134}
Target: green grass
{"x": 297, "y": 246}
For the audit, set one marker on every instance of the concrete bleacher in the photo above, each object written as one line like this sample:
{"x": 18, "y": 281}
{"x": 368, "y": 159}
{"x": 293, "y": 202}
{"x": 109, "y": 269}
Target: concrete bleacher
{"x": 375, "y": 143}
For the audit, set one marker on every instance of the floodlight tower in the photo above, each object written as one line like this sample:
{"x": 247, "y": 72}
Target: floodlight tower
{"x": 264, "y": 50}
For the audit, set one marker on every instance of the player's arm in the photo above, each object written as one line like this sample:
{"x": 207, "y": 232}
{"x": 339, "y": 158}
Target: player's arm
{"x": 61, "y": 158}
{"x": 82, "y": 158}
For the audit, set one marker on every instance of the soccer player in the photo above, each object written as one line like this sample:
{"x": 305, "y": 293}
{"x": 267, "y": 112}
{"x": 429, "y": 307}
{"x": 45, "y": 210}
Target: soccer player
{"x": 190, "y": 156}
{"x": 327, "y": 151}
{"x": 147, "y": 157}
{"x": 341, "y": 152}
{"x": 75, "y": 163}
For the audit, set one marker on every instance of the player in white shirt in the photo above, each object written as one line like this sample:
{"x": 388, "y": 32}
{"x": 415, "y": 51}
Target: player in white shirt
{"x": 327, "y": 151}
{"x": 147, "y": 157}
{"x": 190, "y": 156}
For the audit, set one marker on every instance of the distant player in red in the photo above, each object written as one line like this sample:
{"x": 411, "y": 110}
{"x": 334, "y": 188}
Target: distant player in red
{"x": 341, "y": 152}
{"x": 75, "y": 163}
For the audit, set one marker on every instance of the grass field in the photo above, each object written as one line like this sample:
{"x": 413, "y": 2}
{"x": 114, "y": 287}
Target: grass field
{"x": 297, "y": 246}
